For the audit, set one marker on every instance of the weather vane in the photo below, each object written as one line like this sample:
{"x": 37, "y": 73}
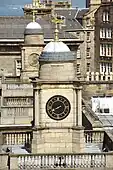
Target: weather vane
{"x": 34, "y": 15}
{"x": 56, "y": 21}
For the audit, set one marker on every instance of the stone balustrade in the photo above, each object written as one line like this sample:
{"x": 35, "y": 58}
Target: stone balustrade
{"x": 61, "y": 161}
{"x": 94, "y": 136}
{"x": 96, "y": 76}
{"x": 18, "y": 101}
{"x": 17, "y": 138}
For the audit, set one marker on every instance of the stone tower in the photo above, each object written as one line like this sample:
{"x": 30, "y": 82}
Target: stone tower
{"x": 32, "y": 48}
{"x": 57, "y": 102}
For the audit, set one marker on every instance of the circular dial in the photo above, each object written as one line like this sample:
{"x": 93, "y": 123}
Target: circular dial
{"x": 58, "y": 107}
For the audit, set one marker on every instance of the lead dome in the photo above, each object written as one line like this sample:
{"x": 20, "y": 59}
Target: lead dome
{"x": 56, "y": 51}
{"x": 33, "y": 28}
{"x": 33, "y": 34}
{"x": 33, "y": 25}
{"x": 56, "y": 47}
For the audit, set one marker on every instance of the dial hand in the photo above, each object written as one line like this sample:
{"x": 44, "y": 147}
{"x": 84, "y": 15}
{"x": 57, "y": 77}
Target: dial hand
{"x": 56, "y": 108}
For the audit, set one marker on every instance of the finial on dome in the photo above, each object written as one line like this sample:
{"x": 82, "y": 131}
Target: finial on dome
{"x": 56, "y": 21}
{"x": 34, "y": 16}
{"x": 56, "y": 32}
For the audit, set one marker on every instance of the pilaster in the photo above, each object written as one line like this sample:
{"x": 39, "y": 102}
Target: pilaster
{"x": 36, "y": 106}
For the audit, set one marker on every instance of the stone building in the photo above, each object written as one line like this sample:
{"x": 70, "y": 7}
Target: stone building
{"x": 18, "y": 61}
{"x": 56, "y": 136}
{"x": 97, "y": 26}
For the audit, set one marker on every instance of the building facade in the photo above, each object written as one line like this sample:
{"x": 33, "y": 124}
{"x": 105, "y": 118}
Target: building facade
{"x": 97, "y": 26}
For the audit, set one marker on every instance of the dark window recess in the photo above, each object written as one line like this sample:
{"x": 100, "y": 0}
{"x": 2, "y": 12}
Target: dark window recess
{"x": 106, "y": 110}
{"x": 0, "y": 92}
{"x": 101, "y": 111}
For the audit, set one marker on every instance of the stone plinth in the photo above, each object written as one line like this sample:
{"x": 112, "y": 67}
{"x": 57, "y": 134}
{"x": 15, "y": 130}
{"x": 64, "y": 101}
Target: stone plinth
{"x": 58, "y": 140}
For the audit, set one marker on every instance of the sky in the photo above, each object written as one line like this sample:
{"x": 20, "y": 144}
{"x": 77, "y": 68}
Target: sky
{"x": 14, "y": 7}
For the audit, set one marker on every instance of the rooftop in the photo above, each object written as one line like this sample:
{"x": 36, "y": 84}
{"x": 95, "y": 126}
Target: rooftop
{"x": 12, "y": 27}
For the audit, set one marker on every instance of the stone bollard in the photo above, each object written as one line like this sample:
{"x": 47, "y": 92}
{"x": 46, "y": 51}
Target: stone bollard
{"x": 101, "y": 76}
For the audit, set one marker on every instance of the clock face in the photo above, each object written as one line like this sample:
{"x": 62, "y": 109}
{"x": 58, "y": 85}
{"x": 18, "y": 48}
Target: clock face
{"x": 58, "y": 107}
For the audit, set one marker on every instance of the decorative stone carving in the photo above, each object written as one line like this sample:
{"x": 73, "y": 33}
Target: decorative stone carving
{"x": 33, "y": 60}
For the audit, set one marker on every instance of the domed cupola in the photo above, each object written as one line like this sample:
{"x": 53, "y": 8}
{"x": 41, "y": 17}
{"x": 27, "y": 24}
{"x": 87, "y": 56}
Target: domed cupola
{"x": 57, "y": 61}
{"x": 33, "y": 33}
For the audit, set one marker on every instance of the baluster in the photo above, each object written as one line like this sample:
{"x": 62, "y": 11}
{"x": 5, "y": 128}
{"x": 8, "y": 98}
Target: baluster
{"x": 87, "y": 76}
{"x": 92, "y": 76}
{"x": 66, "y": 161}
{"x": 11, "y": 138}
{"x": 45, "y": 163}
{"x": 72, "y": 161}
{"x": 34, "y": 161}
{"x": 20, "y": 139}
{"x": 106, "y": 76}
{"x": 82, "y": 161}
{"x": 26, "y": 161}
{"x": 13, "y": 135}
{"x": 14, "y": 143}
{"x": 39, "y": 161}
{"x": 97, "y": 76}
{"x": 55, "y": 160}
{"x": 52, "y": 161}
{"x": 16, "y": 138}
{"x": 86, "y": 134}
{"x": 78, "y": 161}
{"x": 48, "y": 161}
{"x": 19, "y": 162}
{"x": 7, "y": 139}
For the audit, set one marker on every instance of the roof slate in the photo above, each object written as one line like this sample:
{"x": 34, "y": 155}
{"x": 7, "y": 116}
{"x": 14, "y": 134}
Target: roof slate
{"x": 81, "y": 13}
{"x": 12, "y": 27}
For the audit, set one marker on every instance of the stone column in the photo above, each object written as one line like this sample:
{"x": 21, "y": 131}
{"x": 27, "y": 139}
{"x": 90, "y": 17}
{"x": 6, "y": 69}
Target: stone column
{"x": 23, "y": 55}
{"x": 36, "y": 116}
{"x": 74, "y": 106}
{"x": 36, "y": 107}
{"x": 79, "y": 111}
